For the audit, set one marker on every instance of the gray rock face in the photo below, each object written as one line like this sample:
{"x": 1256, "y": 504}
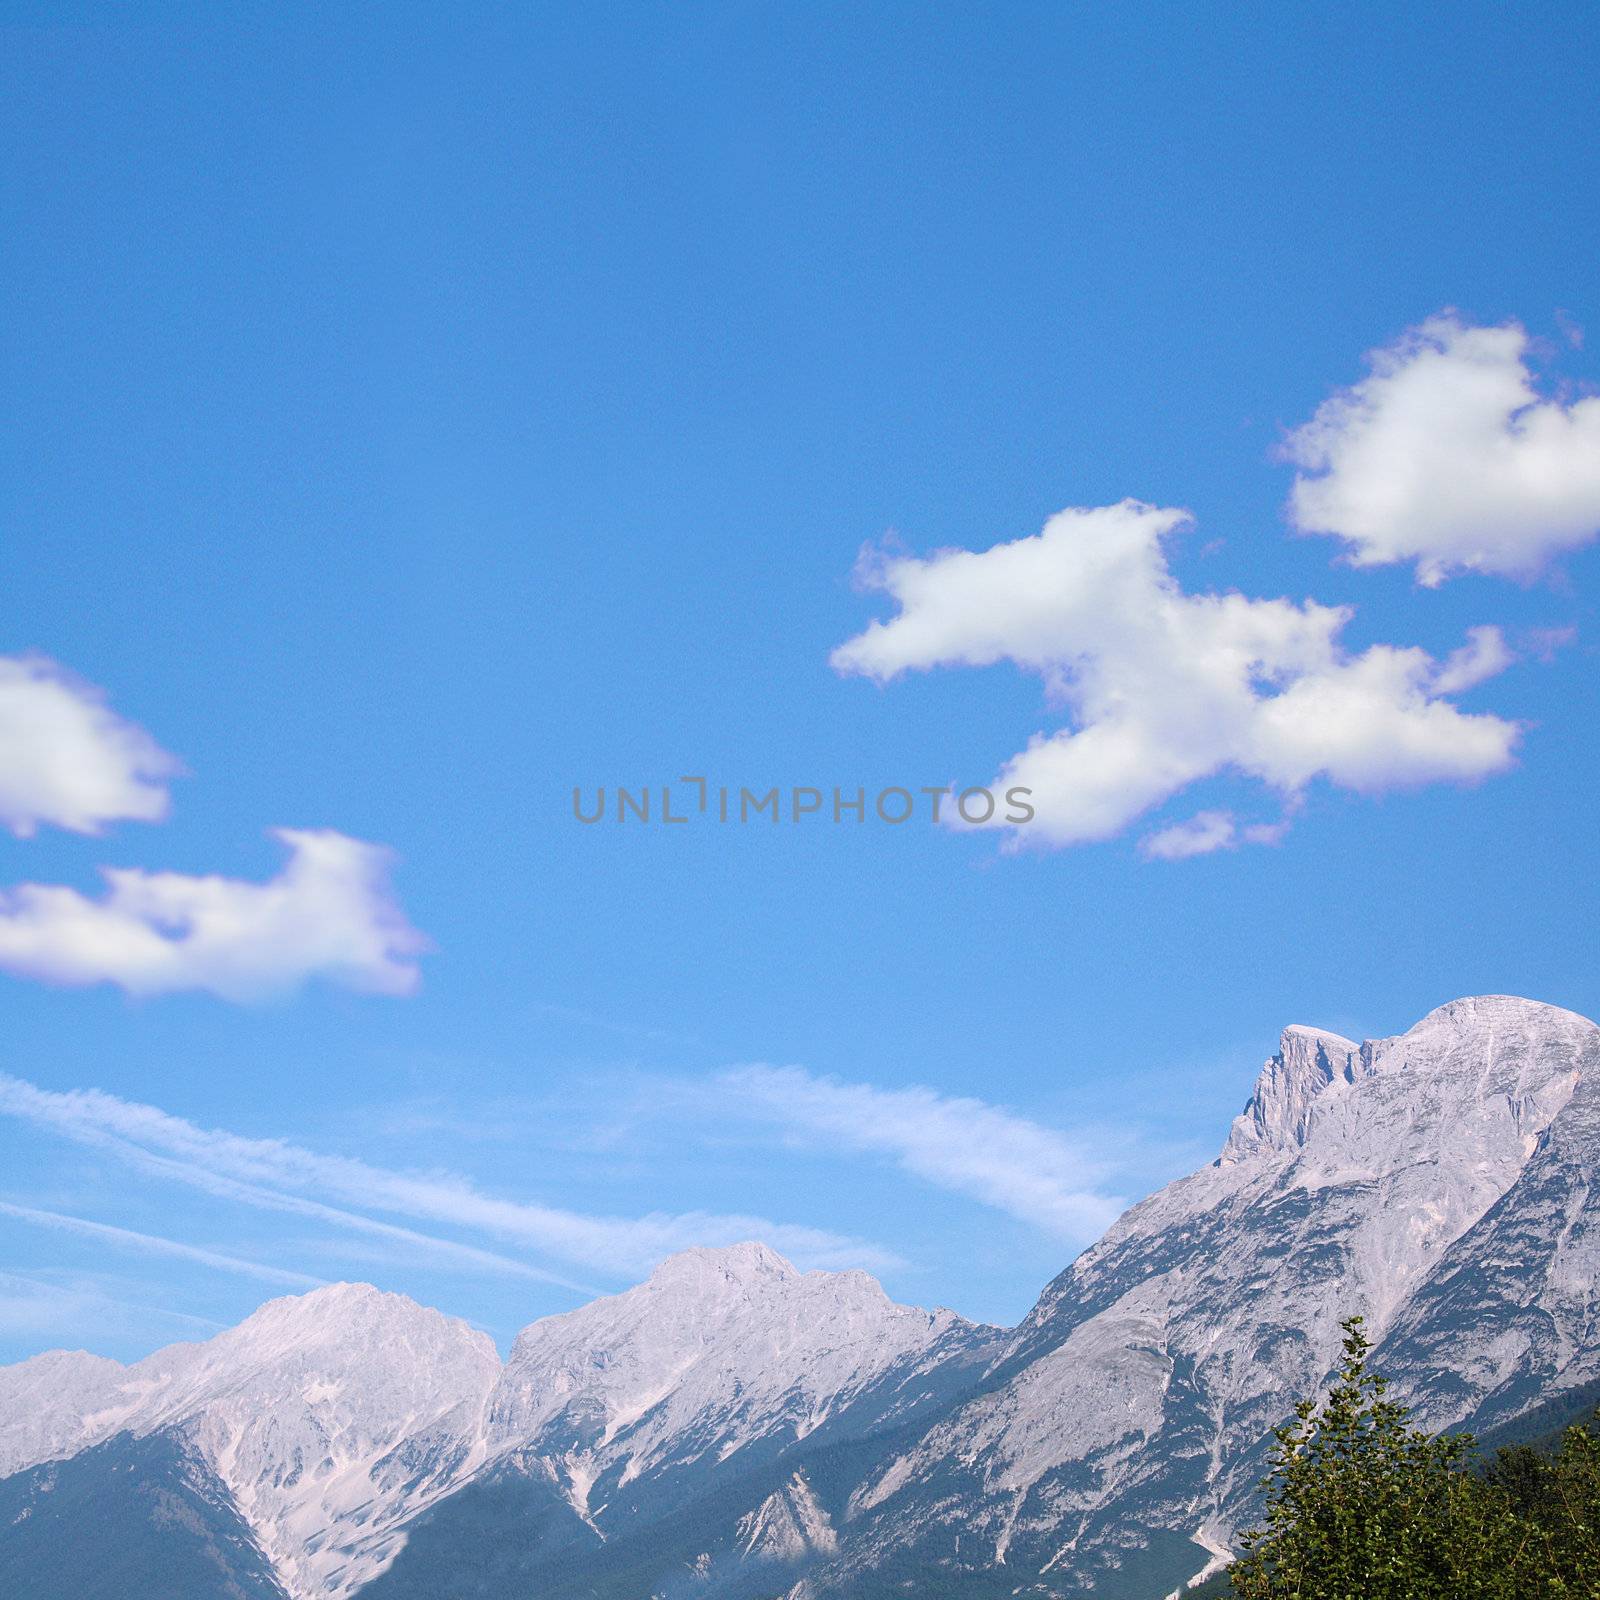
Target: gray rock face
{"x": 737, "y": 1429}
{"x": 720, "y": 1358}
{"x": 1512, "y": 1311}
{"x": 641, "y": 1443}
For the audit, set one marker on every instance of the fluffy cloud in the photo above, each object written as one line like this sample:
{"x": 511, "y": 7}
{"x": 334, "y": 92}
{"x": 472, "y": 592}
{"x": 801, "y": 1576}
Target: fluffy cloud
{"x": 329, "y": 913}
{"x": 66, "y": 759}
{"x": 275, "y": 1175}
{"x": 1166, "y": 688}
{"x": 991, "y": 1155}
{"x": 1446, "y": 455}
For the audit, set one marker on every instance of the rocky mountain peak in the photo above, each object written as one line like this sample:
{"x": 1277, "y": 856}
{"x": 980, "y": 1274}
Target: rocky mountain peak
{"x": 1439, "y": 1183}
{"x": 1483, "y": 1055}
{"x": 392, "y": 1356}
{"x": 348, "y": 1408}
{"x": 710, "y": 1269}
{"x": 1481, "y": 1045}
{"x": 340, "y": 1300}
{"x": 1479, "y": 1010}
{"x": 719, "y": 1349}
{"x": 1276, "y": 1115}
{"x": 44, "y": 1401}
{"x": 1492, "y": 1024}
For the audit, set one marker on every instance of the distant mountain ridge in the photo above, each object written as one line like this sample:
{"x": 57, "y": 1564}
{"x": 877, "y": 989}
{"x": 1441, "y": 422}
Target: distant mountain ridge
{"x": 735, "y": 1428}
{"x": 330, "y": 1420}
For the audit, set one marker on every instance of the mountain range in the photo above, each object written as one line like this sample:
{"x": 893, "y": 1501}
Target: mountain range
{"x": 735, "y": 1428}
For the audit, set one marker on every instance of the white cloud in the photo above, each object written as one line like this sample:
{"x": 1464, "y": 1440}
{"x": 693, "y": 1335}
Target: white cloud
{"x": 1446, "y": 455}
{"x": 1165, "y": 688}
{"x": 155, "y": 1244}
{"x": 1031, "y": 1172}
{"x": 329, "y": 913}
{"x": 1483, "y": 655}
{"x": 1207, "y": 831}
{"x": 1198, "y": 836}
{"x": 275, "y": 1175}
{"x": 67, "y": 760}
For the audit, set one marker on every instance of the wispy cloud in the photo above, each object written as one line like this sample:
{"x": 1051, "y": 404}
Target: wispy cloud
{"x": 452, "y": 1253}
{"x": 40, "y": 1305}
{"x": 1032, "y": 1172}
{"x": 275, "y": 1174}
{"x": 328, "y": 914}
{"x": 155, "y": 1244}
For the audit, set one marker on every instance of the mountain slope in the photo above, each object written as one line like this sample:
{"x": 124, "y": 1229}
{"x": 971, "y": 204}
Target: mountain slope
{"x": 130, "y": 1517}
{"x": 1511, "y": 1314}
{"x": 1387, "y": 1179}
{"x": 721, "y": 1353}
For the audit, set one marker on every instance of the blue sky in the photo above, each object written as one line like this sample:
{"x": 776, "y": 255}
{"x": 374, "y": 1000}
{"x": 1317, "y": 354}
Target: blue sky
{"x": 411, "y": 417}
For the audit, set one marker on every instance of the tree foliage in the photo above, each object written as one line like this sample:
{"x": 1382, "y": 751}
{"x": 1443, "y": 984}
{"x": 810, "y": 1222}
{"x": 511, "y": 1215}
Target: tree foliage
{"x": 1360, "y": 1505}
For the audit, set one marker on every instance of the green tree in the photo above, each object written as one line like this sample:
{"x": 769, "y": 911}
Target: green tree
{"x": 1362, "y": 1506}
{"x": 1560, "y": 1500}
